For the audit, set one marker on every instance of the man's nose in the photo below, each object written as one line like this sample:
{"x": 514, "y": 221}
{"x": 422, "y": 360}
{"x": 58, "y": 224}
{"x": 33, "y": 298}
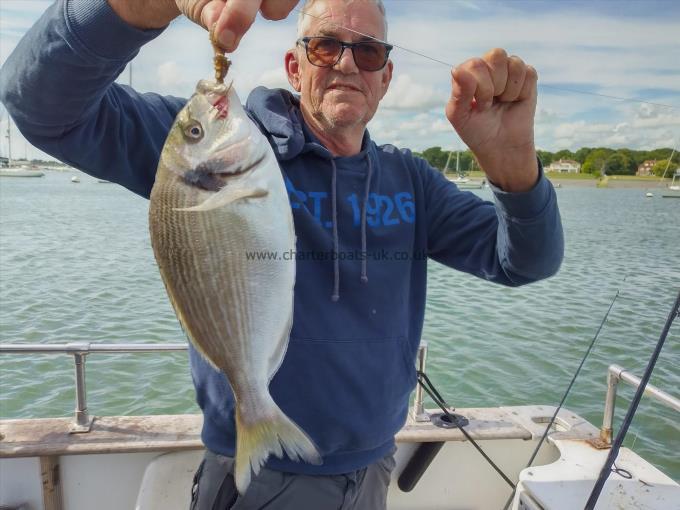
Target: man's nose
{"x": 346, "y": 63}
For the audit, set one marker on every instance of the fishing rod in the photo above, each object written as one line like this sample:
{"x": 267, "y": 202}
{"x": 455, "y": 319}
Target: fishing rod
{"x": 566, "y": 393}
{"x": 449, "y": 65}
{"x": 616, "y": 446}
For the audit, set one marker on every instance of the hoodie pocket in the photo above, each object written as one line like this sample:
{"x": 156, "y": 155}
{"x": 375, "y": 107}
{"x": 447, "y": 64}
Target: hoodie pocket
{"x": 347, "y": 395}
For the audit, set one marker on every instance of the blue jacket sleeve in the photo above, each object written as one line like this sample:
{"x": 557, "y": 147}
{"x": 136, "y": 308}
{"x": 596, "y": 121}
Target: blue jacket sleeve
{"x": 58, "y": 86}
{"x": 516, "y": 241}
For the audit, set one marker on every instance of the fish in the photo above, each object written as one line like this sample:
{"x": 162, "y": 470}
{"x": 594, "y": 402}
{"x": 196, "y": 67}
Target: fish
{"x": 218, "y": 201}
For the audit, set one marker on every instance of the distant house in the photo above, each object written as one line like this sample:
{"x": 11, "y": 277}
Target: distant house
{"x": 565, "y": 166}
{"x": 645, "y": 167}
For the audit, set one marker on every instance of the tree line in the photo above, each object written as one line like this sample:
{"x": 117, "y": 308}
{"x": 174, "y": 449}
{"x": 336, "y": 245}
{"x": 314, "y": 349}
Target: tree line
{"x": 593, "y": 160}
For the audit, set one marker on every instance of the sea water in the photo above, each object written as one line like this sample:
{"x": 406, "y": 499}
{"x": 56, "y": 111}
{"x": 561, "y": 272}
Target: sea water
{"x": 76, "y": 265}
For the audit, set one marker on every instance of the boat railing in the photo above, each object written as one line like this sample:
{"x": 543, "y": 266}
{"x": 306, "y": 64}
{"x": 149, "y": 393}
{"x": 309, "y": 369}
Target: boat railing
{"x": 616, "y": 374}
{"x": 79, "y": 350}
{"x": 82, "y": 421}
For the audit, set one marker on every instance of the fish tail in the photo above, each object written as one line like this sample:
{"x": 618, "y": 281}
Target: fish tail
{"x": 270, "y": 432}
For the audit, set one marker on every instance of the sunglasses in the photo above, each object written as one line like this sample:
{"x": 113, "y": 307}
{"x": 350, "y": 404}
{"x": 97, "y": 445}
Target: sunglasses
{"x": 327, "y": 51}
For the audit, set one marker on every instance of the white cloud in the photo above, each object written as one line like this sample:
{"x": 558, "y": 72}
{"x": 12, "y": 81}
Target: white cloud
{"x": 572, "y": 47}
{"x": 407, "y": 94}
{"x": 274, "y": 78}
{"x": 170, "y": 75}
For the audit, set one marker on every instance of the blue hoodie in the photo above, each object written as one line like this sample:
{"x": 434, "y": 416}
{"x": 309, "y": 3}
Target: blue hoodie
{"x": 365, "y": 226}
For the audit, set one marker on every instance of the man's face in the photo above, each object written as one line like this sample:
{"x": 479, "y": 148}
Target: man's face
{"x": 342, "y": 96}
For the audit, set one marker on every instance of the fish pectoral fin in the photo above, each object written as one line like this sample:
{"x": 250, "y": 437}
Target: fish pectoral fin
{"x": 226, "y": 196}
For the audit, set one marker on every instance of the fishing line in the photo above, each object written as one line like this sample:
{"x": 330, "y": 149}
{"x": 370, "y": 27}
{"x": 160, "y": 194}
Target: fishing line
{"x": 616, "y": 445}
{"x": 566, "y": 393}
{"x": 449, "y": 65}
{"x": 429, "y": 388}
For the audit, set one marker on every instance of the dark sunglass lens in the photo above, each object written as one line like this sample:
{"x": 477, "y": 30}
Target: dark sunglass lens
{"x": 323, "y": 51}
{"x": 370, "y": 56}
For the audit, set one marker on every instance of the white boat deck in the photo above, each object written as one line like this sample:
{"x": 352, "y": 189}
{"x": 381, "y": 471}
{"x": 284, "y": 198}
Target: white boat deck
{"x": 147, "y": 463}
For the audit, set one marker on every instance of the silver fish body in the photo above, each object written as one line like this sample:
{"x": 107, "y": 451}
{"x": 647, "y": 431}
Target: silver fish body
{"x": 221, "y": 226}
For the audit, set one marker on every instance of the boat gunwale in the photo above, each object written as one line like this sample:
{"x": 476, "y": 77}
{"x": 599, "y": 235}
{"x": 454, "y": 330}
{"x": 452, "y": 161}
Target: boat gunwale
{"x": 36, "y": 437}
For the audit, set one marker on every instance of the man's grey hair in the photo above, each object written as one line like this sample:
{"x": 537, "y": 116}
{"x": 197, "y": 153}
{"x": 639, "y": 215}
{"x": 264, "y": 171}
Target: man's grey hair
{"x": 303, "y": 19}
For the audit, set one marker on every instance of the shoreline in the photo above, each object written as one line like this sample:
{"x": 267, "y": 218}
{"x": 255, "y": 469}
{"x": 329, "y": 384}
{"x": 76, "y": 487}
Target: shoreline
{"x": 611, "y": 184}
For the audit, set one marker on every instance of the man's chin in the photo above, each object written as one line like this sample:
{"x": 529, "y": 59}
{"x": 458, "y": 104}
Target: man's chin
{"x": 346, "y": 115}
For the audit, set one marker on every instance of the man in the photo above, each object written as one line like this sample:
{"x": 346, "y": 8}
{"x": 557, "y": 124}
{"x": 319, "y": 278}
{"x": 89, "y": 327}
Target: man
{"x": 349, "y": 368}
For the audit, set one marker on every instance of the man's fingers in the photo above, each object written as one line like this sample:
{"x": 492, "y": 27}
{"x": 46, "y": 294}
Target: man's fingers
{"x": 529, "y": 88}
{"x": 484, "y": 89}
{"x": 497, "y": 60}
{"x": 209, "y": 13}
{"x": 517, "y": 70}
{"x": 277, "y": 9}
{"x": 463, "y": 87}
{"x": 235, "y": 19}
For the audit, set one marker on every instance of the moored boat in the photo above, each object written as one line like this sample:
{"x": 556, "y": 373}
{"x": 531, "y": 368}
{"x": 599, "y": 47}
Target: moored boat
{"x": 673, "y": 190}
{"x": 20, "y": 171}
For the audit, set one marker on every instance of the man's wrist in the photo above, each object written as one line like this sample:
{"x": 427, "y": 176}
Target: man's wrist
{"x": 145, "y": 14}
{"x": 513, "y": 174}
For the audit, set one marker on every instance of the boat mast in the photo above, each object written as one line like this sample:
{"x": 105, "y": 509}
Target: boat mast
{"x": 9, "y": 142}
{"x": 457, "y": 162}
{"x": 446, "y": 167}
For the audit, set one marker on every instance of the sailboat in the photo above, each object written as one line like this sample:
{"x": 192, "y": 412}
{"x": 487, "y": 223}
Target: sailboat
{"x": 673, "y": 190}
{"x": 461, "y": 181}
{"x": 17, "y": 170}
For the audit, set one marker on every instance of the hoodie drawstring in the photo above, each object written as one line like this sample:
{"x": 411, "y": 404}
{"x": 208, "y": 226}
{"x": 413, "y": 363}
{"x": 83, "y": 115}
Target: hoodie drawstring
{"x": 336, "y": 241}
{"x": 364, "y": 274}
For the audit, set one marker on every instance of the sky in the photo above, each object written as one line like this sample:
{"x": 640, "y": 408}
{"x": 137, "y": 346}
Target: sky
{"x": 628, "y": 49}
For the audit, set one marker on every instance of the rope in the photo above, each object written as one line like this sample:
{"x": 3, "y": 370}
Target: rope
{"x": 436, "y": 396}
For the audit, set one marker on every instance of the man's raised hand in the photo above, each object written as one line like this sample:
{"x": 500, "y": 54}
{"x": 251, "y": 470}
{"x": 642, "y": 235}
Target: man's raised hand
{"x": 492, "y": 107}
{"x": 233, "y": 17}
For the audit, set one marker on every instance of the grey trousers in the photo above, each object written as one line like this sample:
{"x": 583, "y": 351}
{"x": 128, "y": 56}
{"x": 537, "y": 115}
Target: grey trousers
{"x": 365, "y": 489}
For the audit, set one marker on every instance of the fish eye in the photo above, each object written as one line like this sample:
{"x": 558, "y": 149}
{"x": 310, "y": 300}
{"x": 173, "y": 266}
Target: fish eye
{"x": 193, "y": 131}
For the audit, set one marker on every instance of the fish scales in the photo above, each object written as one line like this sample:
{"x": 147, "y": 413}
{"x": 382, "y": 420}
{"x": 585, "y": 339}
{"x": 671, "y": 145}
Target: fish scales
{"x": 219, "y": 200}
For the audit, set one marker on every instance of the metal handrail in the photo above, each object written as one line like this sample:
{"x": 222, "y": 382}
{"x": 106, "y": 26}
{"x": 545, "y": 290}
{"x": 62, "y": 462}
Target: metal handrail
{"x": 616, "y": 374}
{"x": 418, "y": 411}
{"x": 88, "y": 348}
{"x": 79, "y": 350}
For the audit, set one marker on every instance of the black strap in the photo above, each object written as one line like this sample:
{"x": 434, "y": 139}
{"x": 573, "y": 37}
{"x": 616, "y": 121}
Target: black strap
{"x": 427, "y": 385}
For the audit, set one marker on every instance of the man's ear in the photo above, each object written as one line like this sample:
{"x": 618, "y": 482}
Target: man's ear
{"x": 386, "y": 77}
{"x": 293, "y": 69}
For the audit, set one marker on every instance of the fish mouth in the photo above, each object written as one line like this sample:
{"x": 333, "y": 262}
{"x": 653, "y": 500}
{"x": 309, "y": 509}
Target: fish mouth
{"x": 211, "y": 176}
{"x": 208, "y": 88}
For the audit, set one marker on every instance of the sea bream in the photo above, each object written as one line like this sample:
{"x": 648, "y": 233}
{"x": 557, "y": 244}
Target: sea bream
{"x": 219, "y": 200}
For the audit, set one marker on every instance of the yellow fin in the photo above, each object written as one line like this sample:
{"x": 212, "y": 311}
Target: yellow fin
{"x": 271, "y": 432}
